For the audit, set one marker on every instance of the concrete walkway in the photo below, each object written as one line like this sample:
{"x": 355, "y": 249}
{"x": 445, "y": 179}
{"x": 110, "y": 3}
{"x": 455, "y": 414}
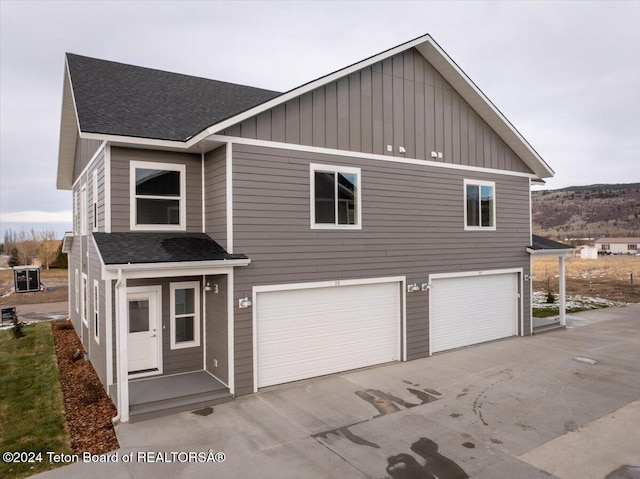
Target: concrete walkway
{"x": 518, "y": 408}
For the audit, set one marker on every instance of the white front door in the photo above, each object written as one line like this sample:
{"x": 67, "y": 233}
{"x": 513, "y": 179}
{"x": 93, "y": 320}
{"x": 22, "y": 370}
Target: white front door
{"x": 143, "y": 322}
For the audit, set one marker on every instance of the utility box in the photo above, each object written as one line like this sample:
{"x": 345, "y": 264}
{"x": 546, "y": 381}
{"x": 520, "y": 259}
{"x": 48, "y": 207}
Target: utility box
{"x": 26, "y": 278}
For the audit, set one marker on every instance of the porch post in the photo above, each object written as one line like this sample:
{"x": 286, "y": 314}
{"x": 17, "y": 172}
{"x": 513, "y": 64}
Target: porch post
{"x": 123, "y": 357}
{"x": 561, "y": 279}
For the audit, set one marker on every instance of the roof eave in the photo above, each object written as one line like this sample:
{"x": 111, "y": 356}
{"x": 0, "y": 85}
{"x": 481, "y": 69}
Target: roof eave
{"x": 68, "y": 134}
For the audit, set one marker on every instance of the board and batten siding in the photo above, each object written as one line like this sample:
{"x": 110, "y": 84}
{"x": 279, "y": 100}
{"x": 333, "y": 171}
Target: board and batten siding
{"x": 401, "y": 101}
{"x": 120, "y": 186}
{"x": 412, "y": 225}
{"x": 215, "y": 200}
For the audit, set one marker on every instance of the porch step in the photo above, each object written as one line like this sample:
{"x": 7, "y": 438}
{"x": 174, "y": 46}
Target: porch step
{"x": 165, "y": 407}
{"x": 547, "y": 328}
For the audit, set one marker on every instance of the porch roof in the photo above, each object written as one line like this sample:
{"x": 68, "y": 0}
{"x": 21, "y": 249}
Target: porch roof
{"x": 148, "y": 248}
{"x": 545, "y": 246}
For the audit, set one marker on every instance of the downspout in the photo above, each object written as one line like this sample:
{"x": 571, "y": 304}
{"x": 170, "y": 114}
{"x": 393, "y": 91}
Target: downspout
{"x": 116, "y": 419}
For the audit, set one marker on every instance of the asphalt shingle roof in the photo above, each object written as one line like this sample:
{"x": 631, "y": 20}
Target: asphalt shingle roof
{"x": 137, "y": 248}
{"x": 119, "y": 99}
{"x": 540, "y": 243}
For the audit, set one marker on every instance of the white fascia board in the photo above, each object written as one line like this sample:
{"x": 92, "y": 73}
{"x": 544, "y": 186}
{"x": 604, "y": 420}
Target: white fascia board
{"x": 547, "y": 253}
{"x": 68, "y": 134}
{"x": 162, "y": 270}
{"x": 307, "y": 87}
{"x": 117, "y": 140}
{"x": 451, "y": 72}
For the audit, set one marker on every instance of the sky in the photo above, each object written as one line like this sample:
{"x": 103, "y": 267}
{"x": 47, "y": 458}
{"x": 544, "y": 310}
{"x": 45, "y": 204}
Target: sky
{"x": 566, "y": 74}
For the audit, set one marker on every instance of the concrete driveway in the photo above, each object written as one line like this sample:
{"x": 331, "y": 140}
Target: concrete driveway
{"x": 533, "y": 407}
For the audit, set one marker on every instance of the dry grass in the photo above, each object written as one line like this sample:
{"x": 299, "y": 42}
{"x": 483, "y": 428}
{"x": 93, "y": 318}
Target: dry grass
{"x": 607, "y": 277}
{"x": 55, "y": 278}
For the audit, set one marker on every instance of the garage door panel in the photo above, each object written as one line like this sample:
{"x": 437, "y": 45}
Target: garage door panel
{"x": 474, "y": 309}
{"x": 304, "y": 333}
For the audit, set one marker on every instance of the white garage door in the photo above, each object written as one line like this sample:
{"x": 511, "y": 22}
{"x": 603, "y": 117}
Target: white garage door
{"x": 473, "y": 309}
{"x": 304, "y": 333}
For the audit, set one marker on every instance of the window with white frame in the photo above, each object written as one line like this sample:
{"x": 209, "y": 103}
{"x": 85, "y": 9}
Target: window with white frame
{"x": 85, "y": 303}
{"x": 94, "y": 197}
{"x": 335, "y": 197}
{"x": 185, "y": 314}
{"x": 83, "y": 210}
{"x": 77, "y": 290}
{"x": 479, "y": 205}
{"x": 96, "y": 309}
{"x": 76, "y": 206}
{"x": 632, "y": 247}
{"x": 157, "y": 196}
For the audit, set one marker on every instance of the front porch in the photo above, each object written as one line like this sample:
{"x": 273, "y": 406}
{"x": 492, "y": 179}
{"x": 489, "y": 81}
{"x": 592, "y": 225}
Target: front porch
{"x": 155, "y": 397}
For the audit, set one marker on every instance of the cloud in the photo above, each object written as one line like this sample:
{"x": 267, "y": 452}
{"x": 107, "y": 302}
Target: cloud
{"x": 37, "y": 217}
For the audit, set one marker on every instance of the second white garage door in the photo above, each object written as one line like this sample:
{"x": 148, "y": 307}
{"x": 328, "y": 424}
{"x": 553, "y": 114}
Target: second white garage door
{"x": 473, "y": 309}
{"x": 303, "y": 333}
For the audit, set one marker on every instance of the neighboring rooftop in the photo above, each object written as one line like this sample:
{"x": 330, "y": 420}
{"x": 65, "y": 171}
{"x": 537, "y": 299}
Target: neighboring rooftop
{"x": 126, "y": 100}
{"x": 630, "y": 240}
{"x": 137, "y": 248}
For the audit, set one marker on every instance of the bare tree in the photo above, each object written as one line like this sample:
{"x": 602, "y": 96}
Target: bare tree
{"x": 27, "y": 246}
{"x": 48, "y": 248}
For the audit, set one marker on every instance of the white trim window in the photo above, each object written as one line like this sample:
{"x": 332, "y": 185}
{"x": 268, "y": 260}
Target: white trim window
{"x": 77, "y": 290}
{"x": 96, "y": 311}
{"x": 94, "y": 199}
{"x": 479, "y": 205}
{"x": 85, "y": 304}
{"x": 157, "y": 192}
{"x": 83, "y": 210}
{"x": 76, "y": 206}
{"x": 335, "y": 197}
{"x": 185, "y": 314}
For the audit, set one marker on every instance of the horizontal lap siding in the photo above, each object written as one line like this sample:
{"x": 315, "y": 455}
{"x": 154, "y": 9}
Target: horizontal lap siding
{"x": 120, "y": 187}
{"x": 217, "y": 329}
{"x": 215, "y": 200}
{"x": 401, "y": 101}
{"x": 85, "y": 149}
{"x": 412, "y": 225}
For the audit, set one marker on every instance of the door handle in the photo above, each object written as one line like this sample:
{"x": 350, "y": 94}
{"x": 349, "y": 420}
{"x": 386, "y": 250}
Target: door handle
{"x": 153, "y": 335}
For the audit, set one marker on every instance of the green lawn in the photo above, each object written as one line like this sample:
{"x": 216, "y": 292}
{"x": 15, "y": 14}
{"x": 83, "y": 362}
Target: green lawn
{"x": 32, "y": 416}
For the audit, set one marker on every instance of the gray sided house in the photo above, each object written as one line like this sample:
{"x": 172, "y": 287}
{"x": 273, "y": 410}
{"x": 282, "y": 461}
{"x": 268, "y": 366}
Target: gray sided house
{"x": 228, "y": 238}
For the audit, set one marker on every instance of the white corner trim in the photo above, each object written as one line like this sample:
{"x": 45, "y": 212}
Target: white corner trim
{"x": 107, "y": 189}
{"x": 203, "y": 208}
{"x": 96, "y": 310}
{"x": 108, "y": 329}
{"x": 366, "y": 156}
{"x": 231, "y": 374}
{"x": 229, "y": 193}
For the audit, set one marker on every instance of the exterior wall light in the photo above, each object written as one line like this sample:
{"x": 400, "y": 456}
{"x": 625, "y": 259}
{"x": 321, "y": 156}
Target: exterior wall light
{"x": 209, "y": 289}
{"x": 412, "y": 288}
{"x": 244, "y": 303}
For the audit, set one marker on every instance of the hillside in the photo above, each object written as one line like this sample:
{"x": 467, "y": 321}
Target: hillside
{"x": 587, "y": 211}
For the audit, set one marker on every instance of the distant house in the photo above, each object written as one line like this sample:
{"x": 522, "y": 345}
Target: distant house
{"x": 618, "y": 245}
{"x": 228, "y": 238}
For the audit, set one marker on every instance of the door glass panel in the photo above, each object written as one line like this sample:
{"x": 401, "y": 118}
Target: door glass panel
{"x": 138, "y": 316}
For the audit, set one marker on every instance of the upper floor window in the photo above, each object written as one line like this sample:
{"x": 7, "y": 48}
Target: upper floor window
{"x": 157, "y": 196}
{"x": 335, "y": 197}
{"x": 479, "y": 205}
{"x": 632, "y": 247}
{"x": 94, "y": 196}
